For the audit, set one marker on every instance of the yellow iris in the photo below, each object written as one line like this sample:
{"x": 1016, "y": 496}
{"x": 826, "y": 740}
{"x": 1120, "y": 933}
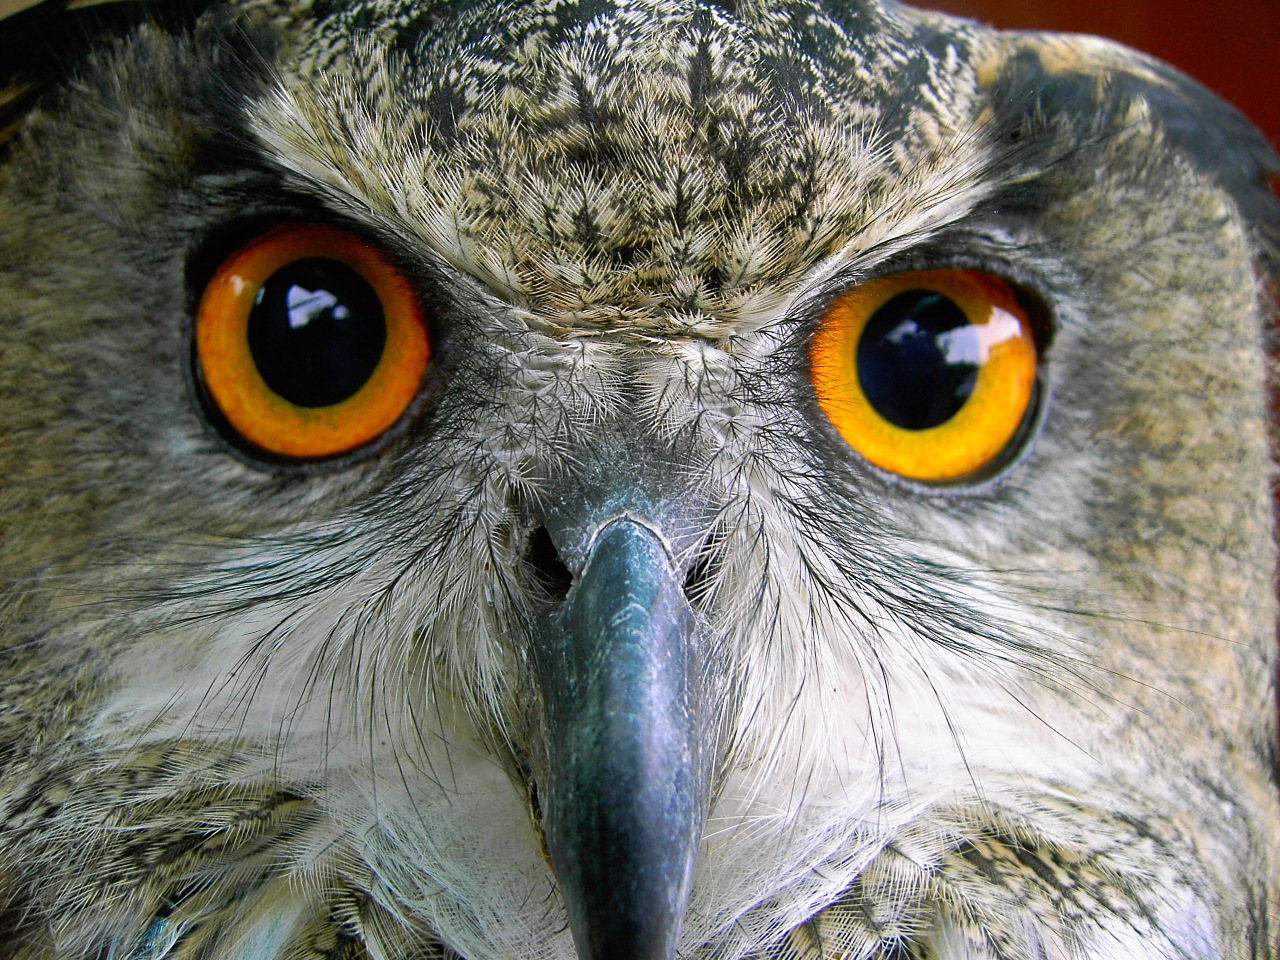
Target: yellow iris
{"x": 995, "y": 338}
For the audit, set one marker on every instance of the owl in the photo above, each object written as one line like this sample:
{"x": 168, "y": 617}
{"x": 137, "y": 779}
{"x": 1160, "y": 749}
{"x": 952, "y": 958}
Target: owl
{"x": 627, "y": 480}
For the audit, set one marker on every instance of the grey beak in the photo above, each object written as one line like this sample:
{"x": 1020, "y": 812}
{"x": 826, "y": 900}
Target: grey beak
{"x": 624, "y": 792}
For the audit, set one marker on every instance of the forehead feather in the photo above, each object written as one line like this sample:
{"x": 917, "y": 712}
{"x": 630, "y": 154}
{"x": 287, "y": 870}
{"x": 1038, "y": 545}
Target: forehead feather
{"x": 669, "y": 167}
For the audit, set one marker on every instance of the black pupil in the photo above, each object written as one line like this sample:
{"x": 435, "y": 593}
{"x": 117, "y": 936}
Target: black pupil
{"x": 316, "y": 331}
{"x": 918, "y": 359}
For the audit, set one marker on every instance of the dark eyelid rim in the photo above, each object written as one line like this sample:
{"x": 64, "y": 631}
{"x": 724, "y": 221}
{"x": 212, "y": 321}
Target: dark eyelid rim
{"x": 225, "y": 235}
{"x": 1027, "y": 287}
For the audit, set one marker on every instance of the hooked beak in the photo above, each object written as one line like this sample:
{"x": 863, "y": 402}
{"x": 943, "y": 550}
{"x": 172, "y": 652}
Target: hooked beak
{"x": 625, "y": 786}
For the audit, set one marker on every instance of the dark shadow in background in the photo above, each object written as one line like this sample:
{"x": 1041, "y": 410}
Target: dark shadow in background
{"x": 1232, "y": 46}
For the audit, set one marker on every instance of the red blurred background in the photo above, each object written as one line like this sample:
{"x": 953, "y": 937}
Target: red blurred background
{"x": 1231, "y": 46}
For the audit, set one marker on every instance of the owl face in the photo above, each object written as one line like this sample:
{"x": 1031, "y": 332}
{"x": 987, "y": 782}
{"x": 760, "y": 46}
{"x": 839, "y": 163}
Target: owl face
{"x": 611, "y": 480}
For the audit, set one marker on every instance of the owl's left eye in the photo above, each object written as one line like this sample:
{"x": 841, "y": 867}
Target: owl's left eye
{"x": 929, "y": 374}
{"x": 310, "y": 342}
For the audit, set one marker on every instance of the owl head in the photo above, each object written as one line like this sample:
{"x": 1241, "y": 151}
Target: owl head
{"x": 629, "y": 478}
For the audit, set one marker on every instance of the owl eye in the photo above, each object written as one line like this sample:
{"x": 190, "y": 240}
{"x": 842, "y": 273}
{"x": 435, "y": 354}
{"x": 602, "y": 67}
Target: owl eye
{"x": 309, "y": 341}
{"x": 928, "y": 374}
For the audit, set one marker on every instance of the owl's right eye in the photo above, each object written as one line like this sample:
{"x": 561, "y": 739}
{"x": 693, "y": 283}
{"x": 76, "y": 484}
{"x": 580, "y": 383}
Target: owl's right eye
{"x": 310, "y": 342}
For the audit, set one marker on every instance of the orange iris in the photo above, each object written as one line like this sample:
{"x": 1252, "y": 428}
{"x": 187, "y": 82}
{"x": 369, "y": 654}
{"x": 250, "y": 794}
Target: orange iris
{"x": 310, "y": 342}
{"x": 928, "y": 374}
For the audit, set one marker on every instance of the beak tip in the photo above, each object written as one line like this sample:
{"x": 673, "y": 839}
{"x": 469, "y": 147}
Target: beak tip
{"x": 626, "y": 896}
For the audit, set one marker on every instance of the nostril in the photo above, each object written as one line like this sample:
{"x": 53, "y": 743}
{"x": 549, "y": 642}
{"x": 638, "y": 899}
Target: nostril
{"x": 548, "y": 569}
{"x": 698, "y": 581}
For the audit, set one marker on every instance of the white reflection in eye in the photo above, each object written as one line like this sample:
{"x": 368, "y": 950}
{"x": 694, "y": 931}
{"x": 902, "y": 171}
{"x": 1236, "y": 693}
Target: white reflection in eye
{"x": 305, "y": 305}
{"x": 972, "y": 343}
